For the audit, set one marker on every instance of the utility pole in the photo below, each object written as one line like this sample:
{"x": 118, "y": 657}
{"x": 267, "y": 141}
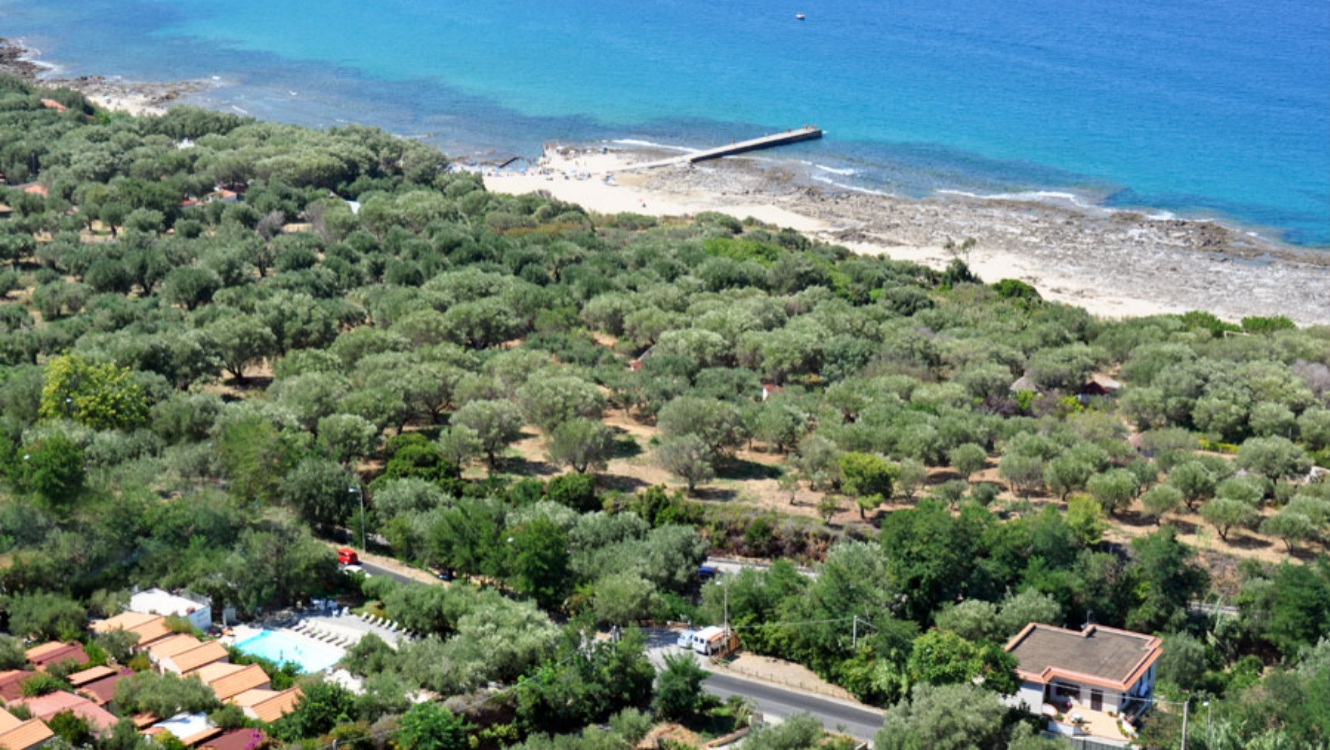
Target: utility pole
{"x": 361, "y": 497}
{"x": 855, "y": 638}
{"x": 726, "y": 584}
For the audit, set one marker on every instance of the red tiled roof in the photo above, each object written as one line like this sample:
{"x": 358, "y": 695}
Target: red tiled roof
{"x": 11, "y": 684}
{"x": 99, "y": 720}
{"x": 53, "y": 104}
{"x": 239, "y": 739}
{"x": 102, "y": 691}
{"x": 48, "y": 654}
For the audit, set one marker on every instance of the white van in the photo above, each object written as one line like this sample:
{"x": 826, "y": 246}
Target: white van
{"x": 708, "y": 641}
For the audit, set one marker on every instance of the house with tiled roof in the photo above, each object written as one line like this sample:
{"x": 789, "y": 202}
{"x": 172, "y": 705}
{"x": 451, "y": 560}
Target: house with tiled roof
{"x": 200, "y": 656}
{"x": 230, "y": 680}
{"x": 171, "y": 645}
{"x": 92, "y": 674}
{"x": 149, "y": 628}
{"x": 237, "y": 739}
{"x": 53, "y": 653}
{"x": 1094, "y": 681}
{"x": 267, "y": 705}
{"x": 18, "y": 734}
{"x": 11, "y": 684}
{"x": 100, "y": 721}
{"x": 102, "y": 691}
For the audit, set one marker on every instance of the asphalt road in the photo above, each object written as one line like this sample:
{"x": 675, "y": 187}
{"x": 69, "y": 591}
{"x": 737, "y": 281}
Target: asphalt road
{"x": 379, "y": 570}
{"x": 776, "y": 701}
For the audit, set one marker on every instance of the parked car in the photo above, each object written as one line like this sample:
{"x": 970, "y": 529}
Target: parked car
{"x": 686, "y": 639}
{"x": 347, "y": 556}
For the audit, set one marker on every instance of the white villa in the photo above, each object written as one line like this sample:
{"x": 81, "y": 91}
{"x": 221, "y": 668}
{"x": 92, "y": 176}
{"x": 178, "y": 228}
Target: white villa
{"x": 196, "y": 609}
{"x": 1091, "y": 682}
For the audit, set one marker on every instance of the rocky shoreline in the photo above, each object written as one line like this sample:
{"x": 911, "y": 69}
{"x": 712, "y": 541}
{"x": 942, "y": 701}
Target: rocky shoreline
{"x": 136, "y": 97}
{"x": 1070, "y": 253}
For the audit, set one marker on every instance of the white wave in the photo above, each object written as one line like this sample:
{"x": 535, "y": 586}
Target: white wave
{"x": 846, "y": 172}
{"x": 1037, "y": 196}
{"x": 241, "y": 111}
{"x": 852, "y": 188}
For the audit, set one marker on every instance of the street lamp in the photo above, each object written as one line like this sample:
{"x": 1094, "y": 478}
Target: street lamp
{"x": 361, "y": 497}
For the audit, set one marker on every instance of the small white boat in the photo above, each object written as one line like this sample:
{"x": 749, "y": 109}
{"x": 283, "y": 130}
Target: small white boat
{"x": 799, "y": 16}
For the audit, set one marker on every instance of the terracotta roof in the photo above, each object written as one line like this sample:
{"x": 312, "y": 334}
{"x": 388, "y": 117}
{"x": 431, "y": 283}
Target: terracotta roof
{"x": 50, "y": 647}
{"x": 1103, "y": 656}
{"x": 11, "y": 684}
{"x": 238, "y": 739}
{"x": 149, "y": 628}
{"x": 102, "y": 691}
{"x": 188, "y": 661}
{"x": 172, "y": 645}
{"x": 144, "y": 719}
{"x": 53, "y": 104}
{"x": 28, "y": 734}
{"x": 33, "y": 188}
{"x": 123, "y": 621}
{"x": 268, "y": 705}
{"x": 56, "y": 653}
{"x": 216, "y": 671}
{"x": 151, "y": 632}
{"x": 247, "y": 678}
{"x": 99, "y": 719}
{"x": 89, "y": 675}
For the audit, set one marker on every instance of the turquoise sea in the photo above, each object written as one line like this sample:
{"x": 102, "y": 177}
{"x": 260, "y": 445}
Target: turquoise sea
{"x": 1215, "y": 108}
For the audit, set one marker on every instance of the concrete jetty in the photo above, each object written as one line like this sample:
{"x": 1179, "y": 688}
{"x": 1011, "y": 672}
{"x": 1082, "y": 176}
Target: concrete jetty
{"x": 805, "y": 133}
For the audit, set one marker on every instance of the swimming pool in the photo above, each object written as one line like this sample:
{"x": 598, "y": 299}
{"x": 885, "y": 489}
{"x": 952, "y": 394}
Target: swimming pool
{"x": 281, "y": 647}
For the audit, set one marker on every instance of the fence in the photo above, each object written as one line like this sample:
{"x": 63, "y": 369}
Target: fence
{"x": 809, "y": 686}
{"x": 1087, "y": 743}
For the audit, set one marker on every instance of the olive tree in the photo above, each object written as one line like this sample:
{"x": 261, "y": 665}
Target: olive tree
{"x": 581, "y": 444}
{"x": 496, "y": 424}
{"x": 687, "y": 457}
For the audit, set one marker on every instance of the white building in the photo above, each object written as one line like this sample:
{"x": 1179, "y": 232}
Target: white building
{"x": 196, "y": 609}
{"x": 1089, "y": 682}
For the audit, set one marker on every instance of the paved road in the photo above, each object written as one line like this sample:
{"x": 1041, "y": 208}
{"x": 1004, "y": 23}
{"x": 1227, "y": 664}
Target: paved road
{"x": 776, "y": 701}
{"x": 379, "y": 570}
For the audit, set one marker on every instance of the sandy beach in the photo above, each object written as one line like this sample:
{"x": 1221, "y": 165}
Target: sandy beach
{"x": 1113, "y": 263}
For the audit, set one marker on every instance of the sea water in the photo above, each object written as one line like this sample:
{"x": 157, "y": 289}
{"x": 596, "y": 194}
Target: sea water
{"x": 1201, "y": 108}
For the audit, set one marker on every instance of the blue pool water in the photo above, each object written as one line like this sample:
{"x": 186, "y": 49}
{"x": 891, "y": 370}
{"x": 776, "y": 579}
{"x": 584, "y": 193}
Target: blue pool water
{"x": 280, "y": 648}
{"x": 1200, "y": 107}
